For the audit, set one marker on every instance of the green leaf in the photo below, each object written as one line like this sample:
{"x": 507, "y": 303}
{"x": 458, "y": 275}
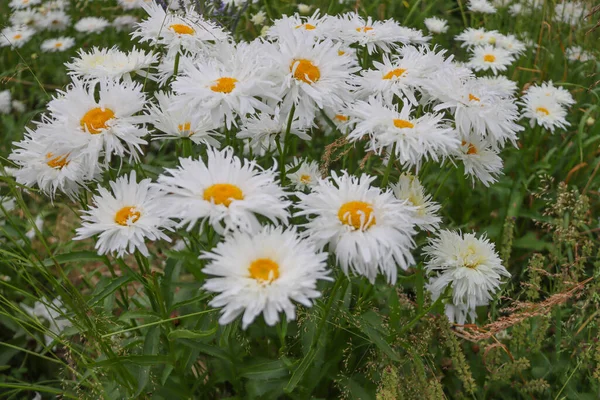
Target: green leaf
{"x": 211, "y": 350}
{"x": 73, "y": 257}
{"x": 265, "y": 370}
{"x": 150, "y": 349}
{"x": 109, "y": 289}
{"x": 301, "y": 370}
{"x": 187, "y": 334}
{"x": 138, "y": 314}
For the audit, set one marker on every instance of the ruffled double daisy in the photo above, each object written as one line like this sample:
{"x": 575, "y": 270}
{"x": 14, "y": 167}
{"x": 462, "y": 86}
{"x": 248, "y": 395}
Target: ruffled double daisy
{"x": 546, "y": 105}
{"x": 111, "y": 63}
{"x": 484, "y": 58}
{"x": 410, "y": 189}
{"x": 480, "y": 159}
{"x": 369, "y": 230}
{"x": 264, "y": 272}
{"x": 383, "y": 35}
{"x": 303, "y": 174}
{"x": 226, "y": 191}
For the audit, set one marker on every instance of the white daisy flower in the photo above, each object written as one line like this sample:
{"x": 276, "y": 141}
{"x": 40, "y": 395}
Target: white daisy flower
{"x": 500, "y": 84}
{"x": 305, "y": 173}
{"x": 27, "y": 17}
{"x": 124, "y": 217}
{"x": 569, "y": 12}
{"x": 263, "y": 273}
{"x": 547, "y": 89}
{"x": 369, "y": 230}
{"x": 37, "y": 165}
{"x": 383, "y": 35}
{"x": 415, "y": 139}
{"x": 124, "y": 23}
{"x": 425, "y": 214}
{"x": 576, "y": 53}
{"x": 312, "y": 75}
{"x": 480, "y": 159}
{"x": 91, "y": 25}
{"x": 315, "y": 26}
{"x": 414, "y": 36}
{"x": 58, "y": 44}
{"x": 517, "y": 9}
{"x": 484, "y": 58}
{"x": 5, "y": 99}
{"x": 467, "y": 264}
{"x": 15, "y": 36}
{"x": 51, "y": 311}
{"x": 436, "y": 25}
{"x": 111, "y": 63}
{"x": 21, "y": 4}
{"x": 227, "y": 192}
{"x": 18, "y": 106}
{"x": 481, "y": 6}
{"x": 476, "y": 37}
{"x": 544, "y": 111}
{"x": 54, "y": 21}
{"x": 511, "y": 43}
{"x": 106, "y": 126}
{"x": 184, "y": 122}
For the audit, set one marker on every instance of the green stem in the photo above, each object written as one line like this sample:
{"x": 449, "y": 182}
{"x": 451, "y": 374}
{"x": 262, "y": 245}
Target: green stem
{"x": 388, "y": 169}
{"x": 286, "y": 139}
{"x": 176, "y": 67}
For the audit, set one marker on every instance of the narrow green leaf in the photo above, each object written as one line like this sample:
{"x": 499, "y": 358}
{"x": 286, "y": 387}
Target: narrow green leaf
{"x": 265, "y": 370}
{"x": 72, "y": 257}
{"x": 378, "y": 339}
{"x": 187, "y": 334}
{"x": 301, "y": 370}
{"x": 109, "y": 289}
{"x": 150, "y": 349}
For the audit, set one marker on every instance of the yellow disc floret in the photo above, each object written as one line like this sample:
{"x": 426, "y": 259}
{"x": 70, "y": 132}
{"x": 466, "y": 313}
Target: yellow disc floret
{"x": 127, "y": 215}
{"x": 264, "y": 270}
{"x": 304, "y": 70}
{"x": 223, "y": 193}
{"x": 94, "y": 121}
{"x": 353, "y": 212}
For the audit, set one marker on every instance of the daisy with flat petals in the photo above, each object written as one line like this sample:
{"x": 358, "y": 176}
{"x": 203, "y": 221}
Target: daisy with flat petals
{"x": 59, "y": 44}
{"x": 484, "y": 58}
{"x": 264, "y": 272}
{"x": 410, "y": 189}
{"x": 54, "y": 21}
{"x": 178, "y": 123}
{"x": 226, "y": 191}
{"x": 415, "y": 139}
{"x": 381, "y": 35}
{"x": 436, "y": 25}
{"x": 311, "y": 75}
{"x": 124, "y": 217}
{"x": 512, "y": 44}
{"x": 107, "y": 126}
{"x": 480, "y": 159}
{"x": 91, "y": 25}
{"x": 369, "y": 230}
{"x": 466, "y": 263}
{"x": 27, "y": 17}
{"x": 305, "y": 173}
{"x": 65, "y": 171}
{"x": 20, "y": 4}
{"x": 481, "y": 6}
{"x": 15, "y": 37}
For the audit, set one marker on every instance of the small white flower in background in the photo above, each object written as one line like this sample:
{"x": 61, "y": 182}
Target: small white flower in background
{"x": 467, "y": 264}
{"x": 263, "y": 272}
{"x": 547, "y": 89}
{"x": 37, "y": 396}
{"x": 27, "y": 17}
{"x": 569, "y": 12}
{"x": 124, "y": 22}
{"x": 517, "y": 9}
{"x": 480, "y": 159}
{"x": 52, "y": 312}
{"x": 15, "y": 36}
{"x": 58, "y": 44}
{"x": 259, "y": 18}
{"x": 264, "y": 31}
{"x": 436, "y": 25}
{"x": 316, "y": 26}
{"x": 303, "y": 8}
{"x": 124, "y": 217}
{"x": 369, "y": 230}
{"x": 382, "y": 35}
{"x": 5, "y": 102}
{"x": 111, "y": 63}
{"x": 20, "y": 4}
{"x": 410, "y": 189}
{"x": 576, "y": 53}
{"x": 484, "y": 58}
{"x": 481, "y": 6}
{"x": 306, "y": 175}
{"x": 476, "y": 37}
{"x": 226, "y": 191}
{"x": 54, "y": 21}
{"x": 511, "y": 43}
{"x": 91, "y": 25}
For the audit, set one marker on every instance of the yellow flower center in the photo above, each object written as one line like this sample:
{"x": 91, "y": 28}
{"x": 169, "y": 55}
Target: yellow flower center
{"x": 542, "y": 110}
{"x": 351, "y": 213}
{"x": 58, "y": 162}
{"x": 395, "y": 73}
{"x": 341, "y": 52}
{"x": 184, "y": 127}
{"x": 304, "y": 70}
{"x": 305, "y": 179}
{"x": 473, "y": 97}
{"x": 492, "y": 40}
{"x": 224, "y": 85}
{"x": 264, "y": 270}
{"x": 127, "y": 215}
{"x": 471, "y": 261}
{"x": 182, "y": 29}
{"x": 364, "y": 29}
{"x": 17, "y": 36}
{"x": 223, "y": 193}
{"x": 402, "y": 123}
{"x": 341, "y": 118}
{"x": 489, "y": 58}
{"x": 471, "y": 149}
{"x": 308, "y": 27}
{"x": 57, "y": 45}
{"x": 94, "y": 121}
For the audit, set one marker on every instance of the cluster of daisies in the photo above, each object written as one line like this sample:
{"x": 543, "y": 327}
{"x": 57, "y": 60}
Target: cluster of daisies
{"x": 568, "y": 12}
{"x": 376, "y": 83}
{"x": 29, "y": 17}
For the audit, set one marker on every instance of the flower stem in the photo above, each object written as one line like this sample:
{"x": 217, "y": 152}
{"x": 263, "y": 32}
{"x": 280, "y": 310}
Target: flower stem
{"x": 282, "y": 152}
{"x": 388, "y": 169}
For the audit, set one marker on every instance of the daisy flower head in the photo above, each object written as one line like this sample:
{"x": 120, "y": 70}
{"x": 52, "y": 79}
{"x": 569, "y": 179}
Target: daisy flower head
{"x": 184, "y": 122}
{"x": 5, "y": 102}
{"x": 436, "y": 25}
{"x": 124, "y": 22}
{"x": 545, "y": 111}
{"x": 101, "y": 63}
{"x": 481, "y": 6}
{"x": 107, "y": 126}
{"x": 54, "y": 21}
{"x": 484, "y": 58}
{"x": 413, "y": 36}
{"x": 547, "y": 89}
{"x": 480, "y": 159}
{"x": 569, "y": 12}
{"x": 91, "y": 25}
{"x": 311, "y": 75}
{"x": 124, "y": 217}
{"x": 65, "y": 171}
{"x": 27, "y": 17}
{"x": 374, "y": 35}
{"x": 576, "y": 53}
{"x": 467, "y": 264}
{"x": 265, "y": 129}
{"x": 304, "y": 174}
{"x": 175, "y": 31}
{"x": 500, "y": 84}
{"x": 59, "y": 44}
{"x": 476, "y": 37}
{"x": 414, "y": 139}
{"x": 15, "y": 36}
{"x": 369, "y": 230}
{"x": 315, "y": 26}
{"x": 263, "y": 272}
{"x": 409, "y": 188}
{"x": 512, "y": 44}
{"x": 228, "y": 192}
{"x": 21, "y": 4}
